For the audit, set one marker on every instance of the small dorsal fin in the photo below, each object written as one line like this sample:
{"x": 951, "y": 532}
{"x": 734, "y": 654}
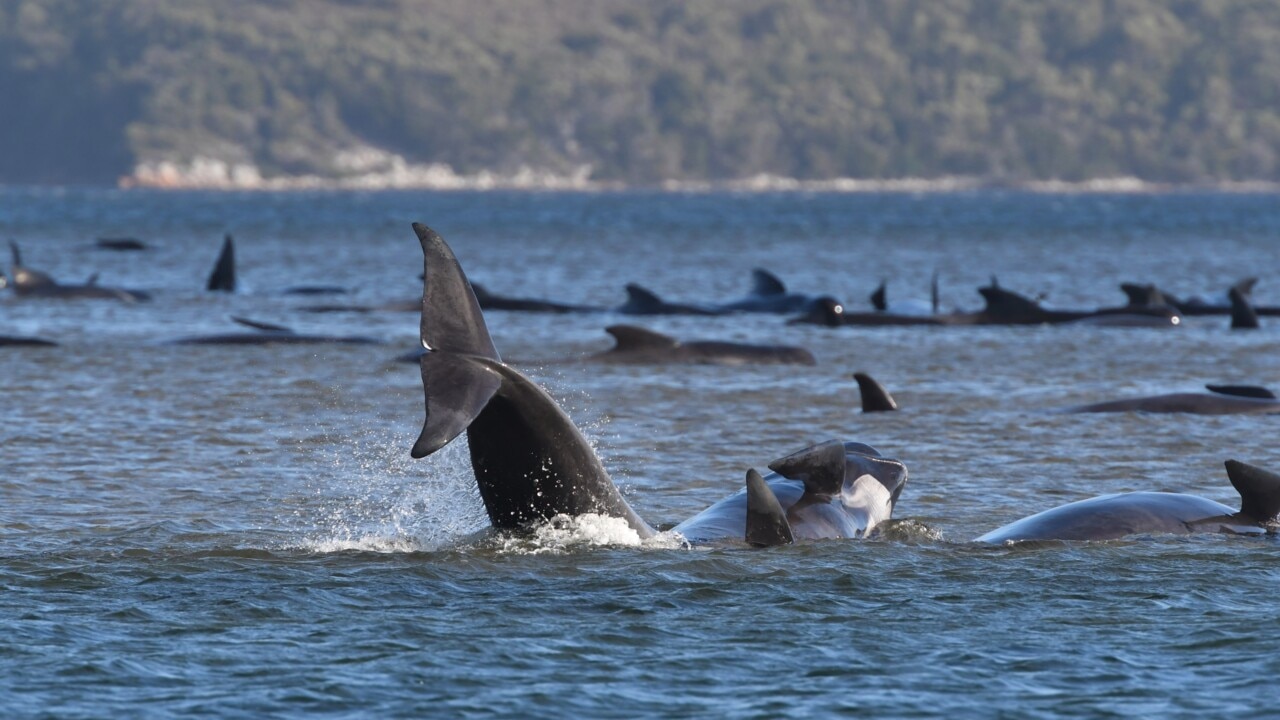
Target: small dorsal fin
{"x": 1249, "y": 391}
{"x": 767, "y": 524}
{"x": 933, "y": 292}
{"x": 998, "y": 298}
{"x": 641, "y": 299}
{"x": 630, "y": 337}
{"x": 92, "y": 281}
{"x": 764, "y": 282}
{"x": 481, "y": 294}
{"x": 878, "y": 298}
{"x": 223, "y": 277}
{"x": 16, "y": 254}
{"x": 1243, "y": 316}
{"x": 263, "y": 326}
{"x": 1259, "y": 490}
{"x": 874, "y": 397}
{"x": 1245, "y": 286}
{"x": 820, "y": 467}
{"x": 1140, "y": 295}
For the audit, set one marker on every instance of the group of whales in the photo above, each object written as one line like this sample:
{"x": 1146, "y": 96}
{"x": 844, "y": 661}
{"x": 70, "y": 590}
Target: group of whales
{"x": 533, "y": 465}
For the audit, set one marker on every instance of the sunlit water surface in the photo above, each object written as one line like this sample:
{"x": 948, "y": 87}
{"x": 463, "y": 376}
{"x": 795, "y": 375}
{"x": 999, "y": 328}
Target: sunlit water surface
{"x": 239, "y": 531}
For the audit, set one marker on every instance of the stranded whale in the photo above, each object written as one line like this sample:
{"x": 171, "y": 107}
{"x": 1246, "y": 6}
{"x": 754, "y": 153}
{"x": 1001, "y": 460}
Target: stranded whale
{"x": 640, "y": 346}
{"x": 1220, "y": 400}
{"x": 1109, "y": 517}
{"x": 270, "y": 334}
{"x": 533, "y": 464}
{"x": 34, "y": 283}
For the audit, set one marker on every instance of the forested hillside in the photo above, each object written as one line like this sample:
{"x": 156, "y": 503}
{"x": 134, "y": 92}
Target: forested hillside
{"x": 1007, "y": 90}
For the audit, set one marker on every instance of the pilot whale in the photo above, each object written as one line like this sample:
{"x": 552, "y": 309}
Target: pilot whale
{"x": 768, "y": 295}
{"x": 1220, "y": 400}
{"x": 1109, "y": 517}
{"x": 532, "y": 464}
{"x": 27, "y": 282}
{"x": 271, "y": 334}
{"x": 636, "y": 345}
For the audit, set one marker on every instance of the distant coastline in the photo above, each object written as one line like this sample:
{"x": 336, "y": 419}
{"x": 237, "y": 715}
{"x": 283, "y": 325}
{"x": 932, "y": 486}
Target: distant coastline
{"x": 209, "y": 174}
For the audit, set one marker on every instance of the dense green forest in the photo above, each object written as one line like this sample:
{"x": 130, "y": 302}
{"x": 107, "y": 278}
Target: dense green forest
{"x": 1005, "y": 90}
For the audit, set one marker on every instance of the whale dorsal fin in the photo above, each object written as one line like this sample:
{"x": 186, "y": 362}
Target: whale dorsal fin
{"x": 481, "y": 294}
{"x": 1259, "y": 490}
{"x": 764, "y": 282}
{"x": 223, "y": 277}
{"x": 457, "y": 378}
{"x": 641, "y": 299}
{"x": 1147, "y": 295}
{"x": 820, "y": 467}
{"x": 630, "y": 337}
{"x": 1000, "y": 299}
{"x": 767, "y": 524}
{"x": 15, "y": 254}
{"x": 1245, "y": 286}
{"x": 879, "y": 298}
{"x": 1243, "y": 316}
{"x": 933, "y": 292}
{"x": 259, "y": 325}
{"x": 874, "y": 397}
{"x": 1249, "y": 391}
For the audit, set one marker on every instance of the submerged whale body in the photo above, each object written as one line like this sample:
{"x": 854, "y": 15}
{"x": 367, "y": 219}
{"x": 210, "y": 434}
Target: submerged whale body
{"x": 270, "y": 334}
{"x": 1110, "y": 517}
{"x": 637, "y": 345}
{"x": 27, "y": 282}
{"x": 532, "y": 464}
{"x": 768, "y": 295}
{"x": 1220, "y": 400}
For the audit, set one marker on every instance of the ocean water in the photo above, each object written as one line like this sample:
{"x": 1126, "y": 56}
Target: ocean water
{"x": 239, "y": 531}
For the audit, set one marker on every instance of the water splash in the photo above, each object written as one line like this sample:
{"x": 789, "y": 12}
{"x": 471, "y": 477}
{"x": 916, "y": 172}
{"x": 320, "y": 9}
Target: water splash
{"x": 568, "y": 533}
{"x": 378, "y": 499}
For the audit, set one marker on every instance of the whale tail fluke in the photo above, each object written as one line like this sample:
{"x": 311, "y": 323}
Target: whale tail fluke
{"x": 767, "y": 524}
{"x": 223, "y": 277}
{"x": 874, "y": 397}
{"x": 457, "y": 377}
{"x": 1259, "y": 491}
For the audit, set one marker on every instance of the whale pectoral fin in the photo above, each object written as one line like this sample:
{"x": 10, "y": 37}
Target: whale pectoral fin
{"x": 1249, "y": 391}
{"x": 767, "y": 524}
{"x": 820, "y": 467}
{"x": 766, "y": 283}
{"x": 263, "y": 326}
{"x": 457, "y": 388}
{"x": 630, "y": 337}
{"x": 874, "y": 397}
{"x": 1259, "y": 491}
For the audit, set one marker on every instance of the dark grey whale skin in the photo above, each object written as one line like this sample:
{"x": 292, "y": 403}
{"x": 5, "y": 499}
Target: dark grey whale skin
{"x": 638, "y": 346}
{"x": 532, "y": 463}
{"x": 1111, "y": 517}
{"x": 1192, "y": 403}
{"x": 28, "y": 283}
